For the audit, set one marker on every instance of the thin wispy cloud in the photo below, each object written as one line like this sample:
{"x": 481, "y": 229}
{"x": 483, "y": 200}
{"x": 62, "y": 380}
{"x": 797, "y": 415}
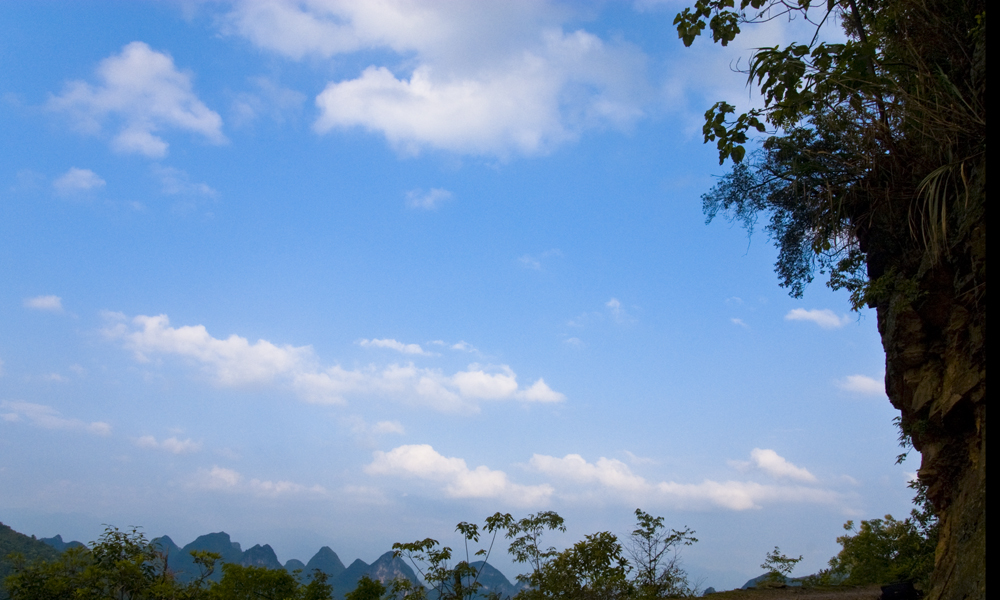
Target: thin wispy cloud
{"x": 139, "y": 93}
{"x": 268, "y": 100}
{"x": 383, "y": 427}
{"x": 429, "y": 200}
{"x": 394, "y": 345}
{"x": 464, "y": 346}
{"x": 618, "y": 312}
{"x": 825, "y": 318}
{"x": 229, "y": 480}
{"x": 47, "y": 417}
{"x": 176, "y": 181}
{"x": 171, "y": 444}
{"x": 535, "y": 262}
{"x": 49, "y": 303}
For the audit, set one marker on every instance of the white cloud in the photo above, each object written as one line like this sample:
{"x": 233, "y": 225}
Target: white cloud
{"x": 47, "y": 303}
{"x": 862, "y": 384}
{"x": 477, "y": 383}
{"x": 219, "y": 478}
{"x": 825, "y": 318}
{"x": 616, "y": 480}
{"x": 47, "y": 417}
{"x": 77, "y": 180}
{"x": 394, "y": 345}
{"x": 223, "y": 479}
{"x": 143, "y": 93}
{"x": 771, "y": 463}
{"x": 421, "y": 461}
{"x": 176, "y": 181}
{"x": 493, "y": 78}
{"x": 740, "y": 323}
{"x": 540, "y": 392}
{"x": 234, "y": 361}
{"x": 608, "y": 472}
{"x": 429, "y": 200}
{"x": 171, "y": 444}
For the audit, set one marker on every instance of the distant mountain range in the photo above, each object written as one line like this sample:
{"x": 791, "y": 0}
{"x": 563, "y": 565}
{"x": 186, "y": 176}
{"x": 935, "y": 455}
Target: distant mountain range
{"x": 179, "y": 560}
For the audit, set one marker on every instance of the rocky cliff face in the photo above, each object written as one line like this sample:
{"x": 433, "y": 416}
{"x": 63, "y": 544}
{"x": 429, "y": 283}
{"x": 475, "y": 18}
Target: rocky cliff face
{"x": 934, "y": 334}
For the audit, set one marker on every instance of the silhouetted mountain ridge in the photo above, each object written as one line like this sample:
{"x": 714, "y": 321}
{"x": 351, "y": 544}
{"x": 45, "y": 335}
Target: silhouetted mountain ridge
{"x": 343, "y": 579}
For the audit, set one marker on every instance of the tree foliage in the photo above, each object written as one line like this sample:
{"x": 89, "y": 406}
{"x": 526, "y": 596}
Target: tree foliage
{"x": 367, "y": 589}
{"x": 655, "y": 552}
{"x": 433, "y": 561}
{"x": 896, "y": 111}
{"x": 596, "y": 567}
{"x": 778, "y": 566}
{"x": 888, "y": 550}
{"x": 124, "y": 565}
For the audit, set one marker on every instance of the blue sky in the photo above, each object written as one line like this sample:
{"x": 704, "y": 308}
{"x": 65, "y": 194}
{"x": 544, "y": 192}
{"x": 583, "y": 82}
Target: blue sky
{"x": 334, "y": 273}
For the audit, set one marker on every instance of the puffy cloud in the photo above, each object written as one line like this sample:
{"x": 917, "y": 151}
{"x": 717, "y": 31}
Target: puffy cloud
{"x": 47, "y": 417}
{"x": 171, "y": 444}
{"x": 429, "y": 200}
{"x": 494, "y": 78}
{"x": 46, "y": 303}
{"x": 862, "y": 384}
{"x": 234, "y": 361}
{"x": 608, "y": 472}
{"x": 771, "y": 463}
{"x": 477, "y": 383}
{"x": 421, "y": 461}
{"x": 825, "y": 318}
{"x": 540, "y": 392}
{"x": 394, "y": 345}
{"x": 77, "y": 180}
{"x": 144, "y": 93}
{"x": 616, "y": 479}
